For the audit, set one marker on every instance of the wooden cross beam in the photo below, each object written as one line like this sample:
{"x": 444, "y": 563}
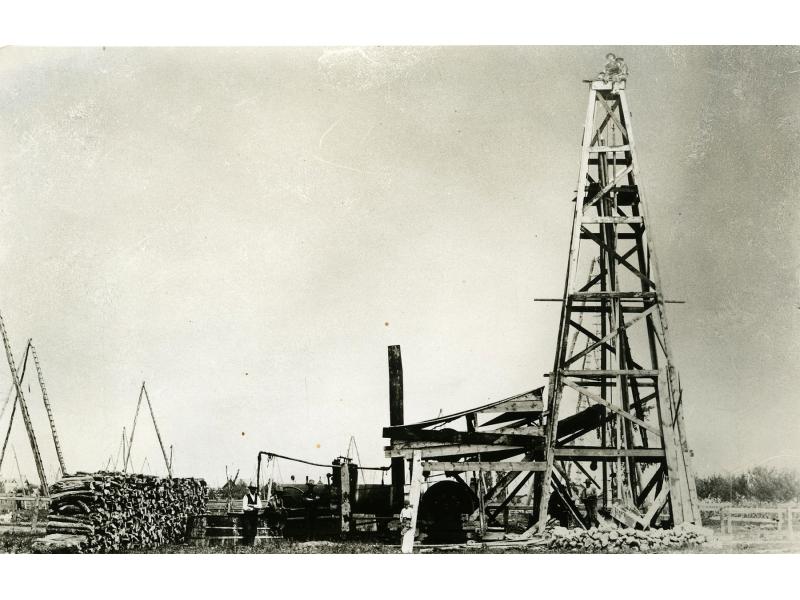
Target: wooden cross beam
{"x": 610, "y": 335}
{"x": 602, "y": 125}
{"x": 445, "y": 450}
{"x": 608, "y": 187}
{"x": 596, "y": 238}
{"x": 610, "y": 112}
{"x": 611, "y": 407}
{"x": 442, "y": 466}
{"x": 450, "y": 436}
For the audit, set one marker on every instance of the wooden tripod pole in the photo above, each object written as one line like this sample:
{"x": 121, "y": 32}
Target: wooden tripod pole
{"x": 14, "y": 407}
{"x": 158, "y": 433}
{"x": 23, "y": 407}
{"x": 126, "y": 456}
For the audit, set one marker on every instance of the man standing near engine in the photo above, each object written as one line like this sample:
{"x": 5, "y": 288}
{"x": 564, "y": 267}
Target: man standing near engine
{"x": 251, "y": 505}
{"x": 310, "y": 499}
{"x": 406, "y": 516}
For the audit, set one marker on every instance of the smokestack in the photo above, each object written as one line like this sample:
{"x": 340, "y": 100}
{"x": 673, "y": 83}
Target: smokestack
{"x": 396, "y": 418}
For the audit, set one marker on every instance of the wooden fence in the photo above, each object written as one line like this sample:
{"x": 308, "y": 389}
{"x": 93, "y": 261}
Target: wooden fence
{"x": 21, "y": 511}
{"x": 782, "y": 517}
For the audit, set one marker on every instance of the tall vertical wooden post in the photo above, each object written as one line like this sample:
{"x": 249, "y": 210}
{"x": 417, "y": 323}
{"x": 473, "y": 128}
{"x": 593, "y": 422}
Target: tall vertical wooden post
{"x": 124, "y": 451}
{"x": 344, "y": 491}
{"x": 396, "y": 418}
{"x": 407, "y": 544}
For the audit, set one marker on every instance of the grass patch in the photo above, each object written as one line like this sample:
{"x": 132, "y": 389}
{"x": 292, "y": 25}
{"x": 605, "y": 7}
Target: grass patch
{"x": 17, "y": 542}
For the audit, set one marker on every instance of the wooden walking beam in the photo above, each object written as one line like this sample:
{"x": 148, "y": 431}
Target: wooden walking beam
{"x": 449, "y": 436}
{"x": 461, "y": 466}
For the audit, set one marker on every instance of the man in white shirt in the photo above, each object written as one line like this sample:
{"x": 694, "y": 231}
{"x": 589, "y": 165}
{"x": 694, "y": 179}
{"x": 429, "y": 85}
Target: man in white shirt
{"x": 251, "y": 505}
{"x": 406, "y": 516}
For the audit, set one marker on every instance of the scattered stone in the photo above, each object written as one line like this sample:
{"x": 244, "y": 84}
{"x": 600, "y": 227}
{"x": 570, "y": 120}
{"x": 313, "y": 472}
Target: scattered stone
{"x": 609, "y": 539}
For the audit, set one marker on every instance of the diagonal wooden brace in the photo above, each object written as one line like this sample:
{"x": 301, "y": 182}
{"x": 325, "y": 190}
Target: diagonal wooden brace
{"x": 592, "y": 396}
{"x": 610, "y": 335}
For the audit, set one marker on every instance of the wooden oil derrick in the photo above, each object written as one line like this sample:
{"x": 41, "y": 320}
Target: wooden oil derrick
{"x": 614, "y": 405}
{"x": 644, "y": 460}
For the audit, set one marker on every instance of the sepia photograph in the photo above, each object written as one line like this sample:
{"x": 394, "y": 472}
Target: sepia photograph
{"x": 402, "y": 299}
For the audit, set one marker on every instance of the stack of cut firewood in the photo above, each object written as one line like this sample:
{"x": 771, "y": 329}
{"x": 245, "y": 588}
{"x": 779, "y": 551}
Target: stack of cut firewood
{"x": 111, "y": 512}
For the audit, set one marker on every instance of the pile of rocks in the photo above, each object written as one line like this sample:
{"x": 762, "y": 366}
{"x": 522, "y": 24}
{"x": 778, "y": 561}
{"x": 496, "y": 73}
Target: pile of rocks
{"x": 607, "y": 538}
{"x": 108, "y": 512}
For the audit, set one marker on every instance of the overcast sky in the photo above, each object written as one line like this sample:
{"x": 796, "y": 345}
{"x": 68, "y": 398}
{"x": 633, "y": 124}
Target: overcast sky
{"x": 248, "y": 230}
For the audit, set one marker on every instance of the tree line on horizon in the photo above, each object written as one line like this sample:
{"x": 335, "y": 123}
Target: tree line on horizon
{"x": 761, "y": 484}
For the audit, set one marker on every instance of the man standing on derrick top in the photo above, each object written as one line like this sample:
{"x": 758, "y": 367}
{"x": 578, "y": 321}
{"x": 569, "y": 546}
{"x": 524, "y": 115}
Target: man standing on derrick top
{"x": 611, "y": 68}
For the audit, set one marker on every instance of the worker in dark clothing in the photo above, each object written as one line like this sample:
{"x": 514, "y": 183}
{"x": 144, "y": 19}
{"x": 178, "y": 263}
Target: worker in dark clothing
{"x": 622, "y": 70}
{"x": 310, "y": 502}
{"x": 611, "y": 69}
{"x": 277, "y": 516}
{"x": 589, "y": 498}
{"x": 557, "y": 511}
{"x": 251, "y": 505}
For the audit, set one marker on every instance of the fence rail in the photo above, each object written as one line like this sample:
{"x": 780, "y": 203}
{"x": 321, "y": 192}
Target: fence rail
{"x": 13, "y": 511}
{"x": 783, "y": 517}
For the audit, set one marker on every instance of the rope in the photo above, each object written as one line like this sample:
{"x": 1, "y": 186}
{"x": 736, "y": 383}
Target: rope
{"x": 313, "y": 464}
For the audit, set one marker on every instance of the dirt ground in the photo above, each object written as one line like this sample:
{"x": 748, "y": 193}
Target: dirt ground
{"x": 753, "y": 541}
{"x": 717, "y": 546}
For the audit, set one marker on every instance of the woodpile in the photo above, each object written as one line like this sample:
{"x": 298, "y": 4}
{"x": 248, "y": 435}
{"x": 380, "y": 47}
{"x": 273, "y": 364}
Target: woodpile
{"x": 111, "y": 512}
{"x": 609, "y": 539}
